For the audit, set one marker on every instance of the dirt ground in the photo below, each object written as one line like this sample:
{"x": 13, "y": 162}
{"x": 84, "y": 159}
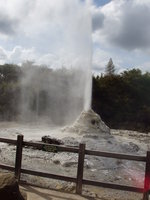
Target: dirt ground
{"x": 36, "y": 193}
{"x": 46, "y": 194}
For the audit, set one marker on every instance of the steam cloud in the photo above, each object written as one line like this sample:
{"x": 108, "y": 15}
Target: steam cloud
{"x": 60, "y": 95}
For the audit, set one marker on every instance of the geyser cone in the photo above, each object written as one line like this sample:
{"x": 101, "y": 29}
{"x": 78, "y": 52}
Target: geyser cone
{"x": 88, "y": 122}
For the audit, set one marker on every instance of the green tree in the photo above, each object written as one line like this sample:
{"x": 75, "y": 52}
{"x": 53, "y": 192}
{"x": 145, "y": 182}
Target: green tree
{"x": 123, "y": 101}
{"x": 110, "y": 68}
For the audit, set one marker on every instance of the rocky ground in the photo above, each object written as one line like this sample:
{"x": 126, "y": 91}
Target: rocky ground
{"x": 95, "y": 168}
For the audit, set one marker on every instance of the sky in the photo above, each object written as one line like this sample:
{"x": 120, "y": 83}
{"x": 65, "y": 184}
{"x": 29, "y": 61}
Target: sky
{"x": 120, "y": 30}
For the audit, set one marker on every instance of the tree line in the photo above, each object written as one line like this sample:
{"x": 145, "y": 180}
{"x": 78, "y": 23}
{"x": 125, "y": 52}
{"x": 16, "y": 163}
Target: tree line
{"x": 122, "y": 100}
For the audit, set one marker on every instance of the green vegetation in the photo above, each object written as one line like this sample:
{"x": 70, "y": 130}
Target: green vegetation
{"x": 9, "y": 91}
{"x": 123, "y": 101}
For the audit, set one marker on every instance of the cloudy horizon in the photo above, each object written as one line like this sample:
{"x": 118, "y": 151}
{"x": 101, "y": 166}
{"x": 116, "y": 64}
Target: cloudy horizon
{"x": 120, "y": 30}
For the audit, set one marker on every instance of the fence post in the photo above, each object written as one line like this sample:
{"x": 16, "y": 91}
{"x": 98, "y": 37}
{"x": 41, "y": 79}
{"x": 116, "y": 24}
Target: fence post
{"x": 147, "y": 177}
{"x": 18, "y": 156}
{"x": 80, "y": 168}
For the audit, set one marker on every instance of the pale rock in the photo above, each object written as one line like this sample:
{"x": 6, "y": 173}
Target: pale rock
{"x": 88, "y": 122}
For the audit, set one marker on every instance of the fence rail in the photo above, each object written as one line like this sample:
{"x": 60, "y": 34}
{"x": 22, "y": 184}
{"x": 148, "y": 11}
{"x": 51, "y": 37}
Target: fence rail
{"x": 79, "y": 180}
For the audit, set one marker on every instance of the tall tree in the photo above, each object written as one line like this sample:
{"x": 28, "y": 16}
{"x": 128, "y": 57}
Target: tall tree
{"x": 110, "y": 68}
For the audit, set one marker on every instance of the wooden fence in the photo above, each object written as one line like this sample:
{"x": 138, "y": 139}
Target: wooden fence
{"x": 79, "y": 180}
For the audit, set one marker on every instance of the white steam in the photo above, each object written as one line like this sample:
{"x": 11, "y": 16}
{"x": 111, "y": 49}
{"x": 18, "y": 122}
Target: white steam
{"x": 59, "y": 95}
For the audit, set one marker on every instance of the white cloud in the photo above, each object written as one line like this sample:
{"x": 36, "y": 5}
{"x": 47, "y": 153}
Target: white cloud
{"x": 126, "y": 25}
{"x": 97, "y": 18}
{"x": 145, "y": 67}
{"x": 20, "y": 54}
{"x": 46, "y": 30}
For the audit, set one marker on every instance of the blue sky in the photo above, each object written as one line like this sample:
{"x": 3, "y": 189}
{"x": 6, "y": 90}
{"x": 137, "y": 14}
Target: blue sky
{"x": 33, "y": 30}
{"x": 101, "y": 2}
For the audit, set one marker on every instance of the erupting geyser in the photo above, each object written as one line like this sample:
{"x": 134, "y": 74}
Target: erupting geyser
{"x": 60, "y": 95}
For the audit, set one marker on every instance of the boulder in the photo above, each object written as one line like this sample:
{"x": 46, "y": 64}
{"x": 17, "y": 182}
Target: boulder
{"x": 49, "y": 140}
{"x": 9, "y": 188}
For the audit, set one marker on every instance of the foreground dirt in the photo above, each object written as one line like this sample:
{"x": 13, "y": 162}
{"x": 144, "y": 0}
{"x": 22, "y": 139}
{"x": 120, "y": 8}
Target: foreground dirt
{"x": 46, "y": 194}
{"x": 89, "y": 193}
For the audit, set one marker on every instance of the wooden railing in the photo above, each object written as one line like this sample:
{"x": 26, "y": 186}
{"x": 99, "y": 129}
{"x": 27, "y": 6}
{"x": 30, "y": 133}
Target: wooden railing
{"x": 79, "y": 180}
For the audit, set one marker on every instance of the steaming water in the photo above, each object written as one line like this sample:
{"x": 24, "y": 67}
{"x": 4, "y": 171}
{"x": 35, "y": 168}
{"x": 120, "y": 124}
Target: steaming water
{"x": 59, "y": 96}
